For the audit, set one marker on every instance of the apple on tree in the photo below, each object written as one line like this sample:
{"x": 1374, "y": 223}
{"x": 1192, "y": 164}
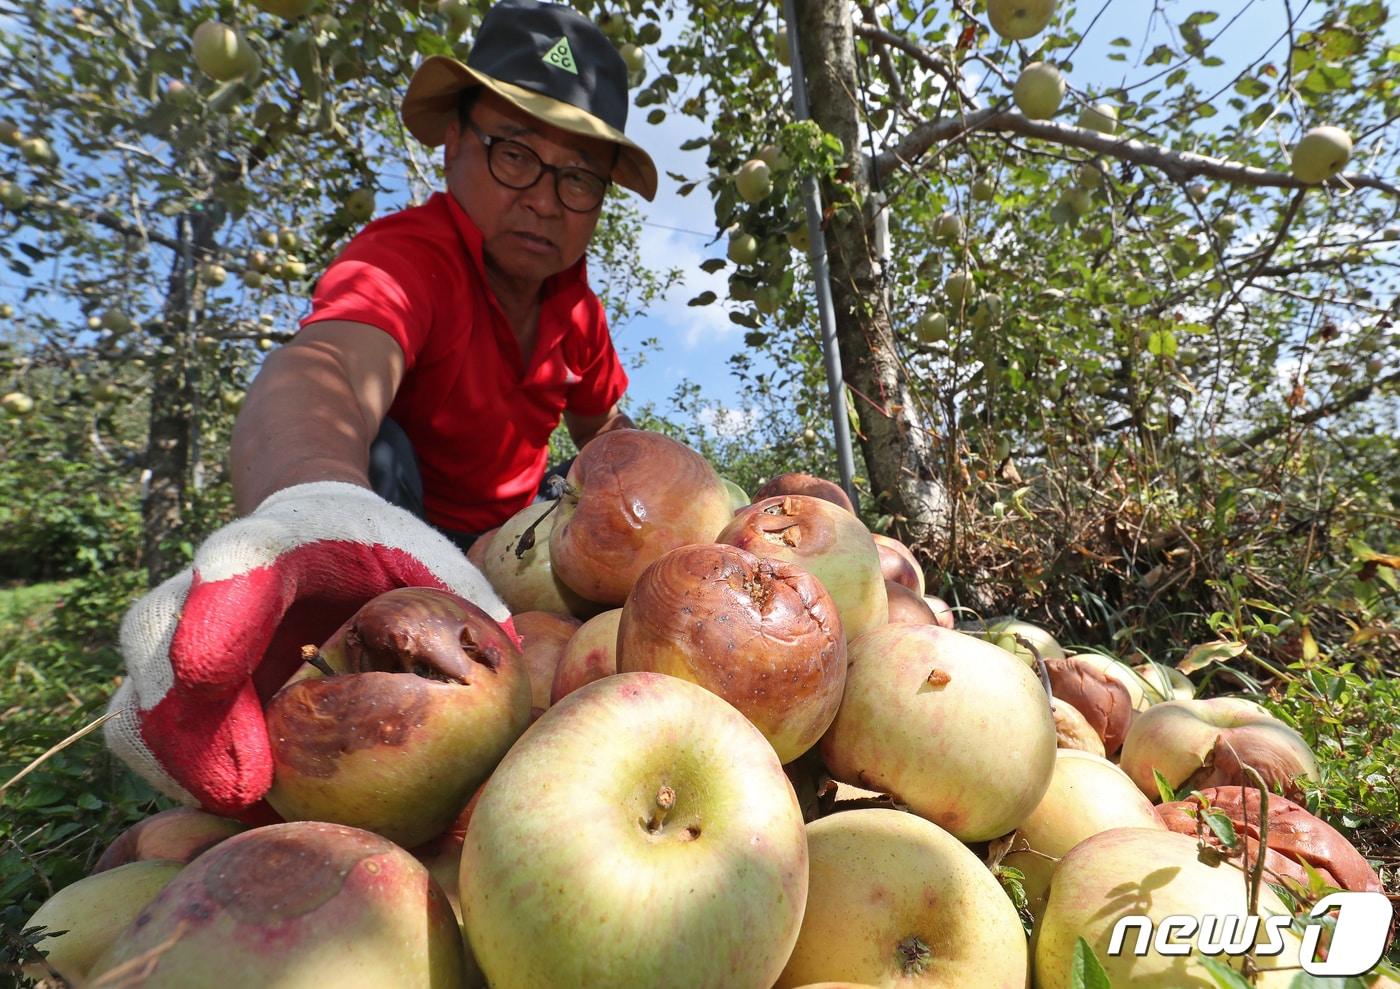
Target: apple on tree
{"x": 1017, "y": 20}
{"x": 220, "y": 51}
{"x": 1320, "y": 154}
{"x": 1101, "y": 117}
{"x": 1039, "y": 90}
{"x": 753, "y": 180}
{"x": 743, "y": 247}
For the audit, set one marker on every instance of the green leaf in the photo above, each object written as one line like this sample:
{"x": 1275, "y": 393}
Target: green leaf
{"x": 1161, "y": 343}
{"x": 703, "y": 299}
{"x": 1085, "y": 971}
{"x": 1225, "y": 977}
{"x": 1164, "y": 789}
{"x": 1221, "y": 826}
{"x": 1201, "y": 655}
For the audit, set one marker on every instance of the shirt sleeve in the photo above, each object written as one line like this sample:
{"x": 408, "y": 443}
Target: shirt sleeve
{"x": 379, "y": 288}
{"x": 603, "y": 381}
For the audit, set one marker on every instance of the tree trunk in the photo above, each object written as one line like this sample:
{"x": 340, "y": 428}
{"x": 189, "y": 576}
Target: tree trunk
{"x": 173, "y": 417}
{"x": 898, "y": 451}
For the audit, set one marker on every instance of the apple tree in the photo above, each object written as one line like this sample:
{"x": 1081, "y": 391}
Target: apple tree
{"x": 172, "y": 178}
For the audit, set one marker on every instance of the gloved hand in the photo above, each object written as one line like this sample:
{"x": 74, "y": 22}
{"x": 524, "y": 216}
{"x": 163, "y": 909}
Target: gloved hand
{"x": 205, "y": 649}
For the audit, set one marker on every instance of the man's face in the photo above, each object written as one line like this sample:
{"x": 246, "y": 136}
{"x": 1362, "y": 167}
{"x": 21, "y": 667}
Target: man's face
{"x": 527, "y": 234}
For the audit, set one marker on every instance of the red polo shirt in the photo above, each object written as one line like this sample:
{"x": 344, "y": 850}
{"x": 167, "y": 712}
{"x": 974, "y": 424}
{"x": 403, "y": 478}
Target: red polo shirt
{"x": 478, "y": 417}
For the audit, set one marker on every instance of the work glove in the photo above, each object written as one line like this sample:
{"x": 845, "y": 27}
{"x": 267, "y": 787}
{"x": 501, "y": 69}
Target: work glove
{"x": 205, "y": 649}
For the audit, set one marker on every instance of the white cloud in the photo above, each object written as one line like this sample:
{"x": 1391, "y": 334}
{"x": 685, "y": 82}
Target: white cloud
{"x": 728, "y": 423}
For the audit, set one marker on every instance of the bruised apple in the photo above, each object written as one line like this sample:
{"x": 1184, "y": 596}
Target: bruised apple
{"x": 590, "y": 654}
{"x": 1072, "y": 731}
{"x": 907, "y": 606}
{"x": 525, "y": 577}
{"x": 895, "y": 900}
{"x": 303, "y": 905}
{"x": 897, "y": 563}
{"x": 954, "y": 728}
{"x": 805, "y": 484}
{"x": 1103, "y": 700}
{"x": 1200, "y": 743}
{"x": 762, "y": 634}
{"x": 826, "y": 541}
{"x": 543, "y": 637}
{"x": 427, "y": 695}
{"x": 176, "y": 835}
{"x": 640, "y": 834}
{"x": 632, "y": 496}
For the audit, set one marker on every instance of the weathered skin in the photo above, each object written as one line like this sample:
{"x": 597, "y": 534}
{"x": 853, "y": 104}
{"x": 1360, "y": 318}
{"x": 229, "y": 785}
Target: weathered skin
{"x": 1295, "y": 836}
{"x": 805, "y": 484}
{"x": 176, "y": 835}
{"x": 1072, "y": 731}
{"x": 831, "y": 544}
{"x": 956, "y": 729}
{"x": 898, "y": 563}
{"x": 590, "y": 655}
{"x": 633, "y": 495}
{"x": 93, "y": 911}
{"x": 906, "y": 606}
{"x": 304, "y": 905}
{"x": 543, "y": 638}
{"x": 573, "y": 876}
{"x": 398, "y": 753}
{"x": 1087, "y": 794}
{"x": 1155, "y": 873}
{"x": 1103, "y": 700}
{"x": 527, "y": 582}
{"x": 897, "y": 901}
{"x": 1200, "y": 743}
{"x": 762, "y": 634}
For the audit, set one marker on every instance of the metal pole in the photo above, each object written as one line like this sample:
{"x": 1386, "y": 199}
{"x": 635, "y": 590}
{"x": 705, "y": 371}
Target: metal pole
{"x": 821, "y": 273}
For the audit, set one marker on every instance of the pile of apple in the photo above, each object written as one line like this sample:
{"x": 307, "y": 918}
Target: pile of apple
{"x": 729, "y": 744}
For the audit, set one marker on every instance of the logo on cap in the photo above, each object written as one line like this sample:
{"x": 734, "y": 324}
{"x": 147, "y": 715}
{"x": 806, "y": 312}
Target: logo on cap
{"x": 561, "y": 56}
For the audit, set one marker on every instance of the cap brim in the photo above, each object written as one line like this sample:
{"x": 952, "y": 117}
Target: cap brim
{"x": 430, "y": 105}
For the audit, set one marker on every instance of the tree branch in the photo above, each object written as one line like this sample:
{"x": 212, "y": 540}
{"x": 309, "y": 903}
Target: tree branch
{"x": 1357, "y": 395}
{"x": 1178, "y": 165}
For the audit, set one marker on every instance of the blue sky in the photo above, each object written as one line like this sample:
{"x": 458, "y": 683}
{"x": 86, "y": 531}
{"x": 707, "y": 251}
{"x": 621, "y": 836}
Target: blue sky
{"x": 696, "y": 341}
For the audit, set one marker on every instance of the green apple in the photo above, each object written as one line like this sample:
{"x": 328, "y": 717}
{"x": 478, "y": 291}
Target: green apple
{"x": 635, "y": 58}
{"x": 359, "y": 205}
{"x": 798, "y": 238}
{"x": 116, "y": 320}
{"x": 743, "y": 247}
{"x": 895, "y": 900}
{"x": 1321, "y": 154}
{"x": 1197, "y": 192}
{"x": 6, "y": 310}
{"x": 948, "y": 228}
{"x": 679, "y": 813}
{"x": 219, "y": 51}
{"x": 1226, "y": 224}
{"x": 753, "y": 180}
{"x": 987, "y": 312}
{"x": 1077, "y": 200}
{"x": 961, "y": 288}
{"x": 1017, "y": 20}
{"x": 774, "y": 156}
{"x": 983, "y": 190}
{"x": 767, "y": 298}
{"x": 1039, "y": 90}
{"x": 37, "y": 151}
{"x": 613, "y": 25}
{"x": 10, "y": 133}
{"x": 1101, "y": 117}
{"x": 649, "y": 34}
{"x": 932, "y": 327}
{"x": 267, "y": 238}
{"x": 12, "y": 197}
{"x": 525, "y": 580}
{"x": 288, "y": 239}
{"x": 17, "y": 403}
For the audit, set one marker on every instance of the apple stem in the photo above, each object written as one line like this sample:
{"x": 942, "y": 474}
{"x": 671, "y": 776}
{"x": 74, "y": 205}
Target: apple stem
{"x": 526, "y": 541}
{"x": 312, "y": 655}
{"x": 665, "y": 800}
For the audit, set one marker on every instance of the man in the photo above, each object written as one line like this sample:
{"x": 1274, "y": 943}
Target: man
{"x": 449, "y": 339}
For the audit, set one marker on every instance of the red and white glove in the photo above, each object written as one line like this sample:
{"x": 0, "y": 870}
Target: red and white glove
{"x": 205, "y": 649}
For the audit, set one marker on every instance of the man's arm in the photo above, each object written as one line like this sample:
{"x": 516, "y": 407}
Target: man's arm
{"x": 584, "y": 428}
{"x": 314, "y": 409}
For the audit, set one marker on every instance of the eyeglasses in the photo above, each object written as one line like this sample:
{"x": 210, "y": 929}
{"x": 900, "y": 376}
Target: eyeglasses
{"x": 516, "y": 166}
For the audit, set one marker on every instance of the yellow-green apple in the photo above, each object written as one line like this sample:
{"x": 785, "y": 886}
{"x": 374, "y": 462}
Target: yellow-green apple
{"x": 1295, "y": 836}
{"x": 1103, "y": 701}
{"x": 442, "y": 857}
{"x": 219, "y": 50}
{"x": 958, "y": 730}
{"x": 1200, "y": 743}
{"x": 302, "y": 904}
{"x": 738, "y": 498}
{"x": 632, "y": 496}
{"x": 898, "y": 563}
{"x": 427, "y": 695}
{"x": 932, "y": 327}
{"x": 1157, "y": 874}
{"x": 1039, "y": 90}
{"x": 684, "y": 862}
{"x": 825, "y": 540}
{"x": 753, "y": 180}
{"x": 635, "y": 58}
{"x": 17, "y": 403}
{"x": 895, "y": 900}
{"x": 1087, "y": 794}
{"x": 961, "y": 289}
{"x": 1166, "y": 683}
{"x": 805, "y": 484}
{"x": 743, "y": 247}
{"x": 1101, "y": 117}
{"x": 1320, "y": 154}
{"x": 948, "y": 228}
{"x": 476, "y": 553}
{"x": 525, "y": 578}
{"x": 90, "y": 913}
{"x": 984, "y": 190}
{"x": 1005, "y": 633}
{"x": 942, "y": 611}
{"x": 590, "y": 654}
{"x": 359, "y": 204}
{"x": 907, "y": 606}
{"x": 1019, "y": 19}
{"x": 543, "y": 636}
{"x": 176, "y": 835}
{"x": 37, "y": 151}
{"x": 761, "y": 633}
{"x": 1072, "y": 730}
